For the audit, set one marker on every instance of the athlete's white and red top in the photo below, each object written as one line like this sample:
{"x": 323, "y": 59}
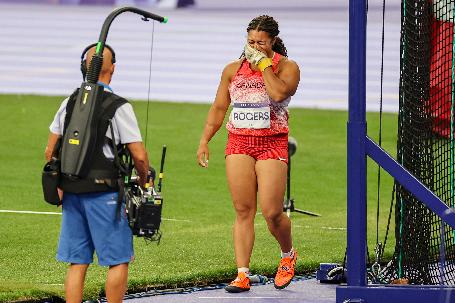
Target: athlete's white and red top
{"x": 254, "y": 113}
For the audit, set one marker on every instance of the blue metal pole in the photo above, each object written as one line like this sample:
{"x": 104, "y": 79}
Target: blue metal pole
{"x": 356, "y": 137}
{"x": 410, "y": 182}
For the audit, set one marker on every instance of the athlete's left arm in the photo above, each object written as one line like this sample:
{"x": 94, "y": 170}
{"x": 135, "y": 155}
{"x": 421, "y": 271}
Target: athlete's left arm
{"x": 284, "y": 83}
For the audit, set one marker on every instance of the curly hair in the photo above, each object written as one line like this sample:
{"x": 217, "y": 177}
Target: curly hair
{"x": 269, "y": 25}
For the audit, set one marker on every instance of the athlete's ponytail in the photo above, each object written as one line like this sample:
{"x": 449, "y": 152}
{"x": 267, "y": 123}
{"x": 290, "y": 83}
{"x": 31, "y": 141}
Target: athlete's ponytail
{"x": 279, "y": 47}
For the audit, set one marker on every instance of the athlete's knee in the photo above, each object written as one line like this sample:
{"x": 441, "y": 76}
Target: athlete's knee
{"x": 273, "y": 217}
{"x": 245, "y": 212}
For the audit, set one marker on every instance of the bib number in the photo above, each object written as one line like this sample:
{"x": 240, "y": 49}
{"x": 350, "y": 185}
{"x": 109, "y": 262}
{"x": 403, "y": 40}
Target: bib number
{"x": 251, "y": 115}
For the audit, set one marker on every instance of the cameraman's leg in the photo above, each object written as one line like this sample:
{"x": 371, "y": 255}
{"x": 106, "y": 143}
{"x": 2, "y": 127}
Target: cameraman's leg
{"x": 75, "y": 246}
{"x": 113, "y": 240}
{"x": 116, "y": 282}
{"x": 243, "y": 186}
{"x": 74, "y": 283}
{"x": 109, "y": 229}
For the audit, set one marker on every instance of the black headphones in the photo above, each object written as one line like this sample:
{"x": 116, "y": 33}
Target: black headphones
{"x": 84, "y": 63}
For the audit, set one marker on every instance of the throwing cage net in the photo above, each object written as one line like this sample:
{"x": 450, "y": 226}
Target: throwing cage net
{"x": 425, "y": 246}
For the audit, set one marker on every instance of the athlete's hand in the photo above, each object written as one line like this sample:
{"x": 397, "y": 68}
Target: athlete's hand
{"x": 203, "y": 154}
{"x": 257, "y": 57}
{"x": 253, "y": 55}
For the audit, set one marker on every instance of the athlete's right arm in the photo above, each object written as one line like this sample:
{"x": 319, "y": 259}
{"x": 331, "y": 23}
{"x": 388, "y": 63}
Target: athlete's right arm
{"x": 216, "y": 113}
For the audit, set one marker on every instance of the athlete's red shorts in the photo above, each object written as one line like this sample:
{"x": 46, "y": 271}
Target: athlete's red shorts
{"x": 259, "y": 147}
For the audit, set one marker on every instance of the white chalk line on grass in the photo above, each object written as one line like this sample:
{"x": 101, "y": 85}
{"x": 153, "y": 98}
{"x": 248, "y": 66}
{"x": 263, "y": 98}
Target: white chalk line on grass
{"x": 177, "y": 220}
{"x": 322, "y": 227}
{"x": 56, "y": 213}
{"x": 333, "y": 228}
{"x": 164, "y": 219}
{"x": 29, "y": 212}
{"x": 306, "y": 226}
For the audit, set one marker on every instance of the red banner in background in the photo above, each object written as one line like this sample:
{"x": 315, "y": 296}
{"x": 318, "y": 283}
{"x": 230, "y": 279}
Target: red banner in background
{"x": 441, "y": 75}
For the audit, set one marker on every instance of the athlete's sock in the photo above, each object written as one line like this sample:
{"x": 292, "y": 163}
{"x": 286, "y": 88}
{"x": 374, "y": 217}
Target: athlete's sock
{"x": 288, "y": 254}
{"x": 246, "y": 270}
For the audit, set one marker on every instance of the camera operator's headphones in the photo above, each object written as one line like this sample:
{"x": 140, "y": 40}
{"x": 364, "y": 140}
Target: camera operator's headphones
{"x": 84, "y": 63}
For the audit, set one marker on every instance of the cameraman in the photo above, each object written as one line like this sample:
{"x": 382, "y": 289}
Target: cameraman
{"x": 93, "y": 220}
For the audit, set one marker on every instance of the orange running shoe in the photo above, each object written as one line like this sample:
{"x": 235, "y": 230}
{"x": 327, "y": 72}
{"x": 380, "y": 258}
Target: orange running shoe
{"x": 285, "y": 271}
{"x": 241, "y": 283}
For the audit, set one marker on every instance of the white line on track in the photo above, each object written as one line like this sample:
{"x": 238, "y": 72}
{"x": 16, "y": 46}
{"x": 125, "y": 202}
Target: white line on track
{"x": 54, "y": 213}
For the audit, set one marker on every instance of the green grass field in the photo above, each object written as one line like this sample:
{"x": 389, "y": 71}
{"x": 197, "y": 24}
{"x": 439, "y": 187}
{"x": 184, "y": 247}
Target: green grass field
{"x": 196, "y": 249}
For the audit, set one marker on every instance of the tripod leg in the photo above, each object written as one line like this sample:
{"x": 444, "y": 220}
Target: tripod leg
{"x": 306, "y": 212}
{"x": 288, "y": 205}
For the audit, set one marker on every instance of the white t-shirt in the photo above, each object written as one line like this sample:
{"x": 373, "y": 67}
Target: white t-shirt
{"x": 124, "y": 123}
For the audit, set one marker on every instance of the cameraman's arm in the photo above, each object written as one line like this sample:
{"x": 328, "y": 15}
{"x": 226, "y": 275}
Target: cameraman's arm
{"x": 141, "y": 162}
{"x": 56, "y": 130}
{"x": 51, "y": 142}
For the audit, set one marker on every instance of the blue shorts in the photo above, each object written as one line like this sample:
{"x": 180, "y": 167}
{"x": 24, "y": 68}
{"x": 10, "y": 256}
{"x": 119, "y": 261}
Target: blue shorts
{"x": 90, "y": 223}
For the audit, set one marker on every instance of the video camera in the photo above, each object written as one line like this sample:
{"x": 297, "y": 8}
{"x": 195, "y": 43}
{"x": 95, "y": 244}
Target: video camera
{"x": 143, "y": 206}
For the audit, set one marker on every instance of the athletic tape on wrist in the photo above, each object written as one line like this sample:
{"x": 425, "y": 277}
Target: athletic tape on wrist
{"x": 264, "y": 63}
